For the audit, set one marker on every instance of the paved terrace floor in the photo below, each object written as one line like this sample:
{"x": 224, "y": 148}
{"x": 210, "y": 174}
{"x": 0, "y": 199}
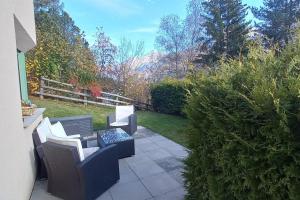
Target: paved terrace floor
{"x": 154, "y": 173}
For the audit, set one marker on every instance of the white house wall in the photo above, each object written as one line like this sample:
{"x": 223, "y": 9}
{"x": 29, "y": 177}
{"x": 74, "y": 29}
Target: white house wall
{"x": 17, "y": 168}
{"x": 25, "y": 28}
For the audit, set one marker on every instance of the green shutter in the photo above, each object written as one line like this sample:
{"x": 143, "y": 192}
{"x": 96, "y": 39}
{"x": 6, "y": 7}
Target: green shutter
{"x": 22, "y": 74}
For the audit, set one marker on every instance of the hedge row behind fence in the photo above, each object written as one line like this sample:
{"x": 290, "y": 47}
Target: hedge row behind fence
{"x": 245, "y": 133}
{"x": 169, "y": 96}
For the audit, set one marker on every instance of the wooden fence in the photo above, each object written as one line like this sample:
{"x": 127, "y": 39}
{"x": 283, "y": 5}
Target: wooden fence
{"x": 65, "y": 91}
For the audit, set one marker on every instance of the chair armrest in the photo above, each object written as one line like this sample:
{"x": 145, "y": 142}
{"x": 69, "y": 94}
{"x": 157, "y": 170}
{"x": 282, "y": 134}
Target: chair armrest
{"x": 132, "y": 125}
{"x": 84, "y": 140}
{"x": 100, "y": 170}
{"x": 132, "y": 119}
{"x": 89, "y": 137}
{"x": 110, "y": 119}
{"x": 77, "y": 136}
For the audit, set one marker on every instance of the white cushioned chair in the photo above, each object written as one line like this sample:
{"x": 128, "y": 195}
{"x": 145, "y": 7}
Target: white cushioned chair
{"x": 62, "y": 128}
{"x": 56, "y": 133}
{"x": 124, "y": 118}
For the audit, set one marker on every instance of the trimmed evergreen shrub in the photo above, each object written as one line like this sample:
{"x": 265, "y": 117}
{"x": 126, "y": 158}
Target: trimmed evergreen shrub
{"x": 245, "y": 128}
{"x": 169, "y": 96}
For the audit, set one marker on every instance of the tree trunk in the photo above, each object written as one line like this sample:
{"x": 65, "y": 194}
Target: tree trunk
{"x": 176, "y": 63}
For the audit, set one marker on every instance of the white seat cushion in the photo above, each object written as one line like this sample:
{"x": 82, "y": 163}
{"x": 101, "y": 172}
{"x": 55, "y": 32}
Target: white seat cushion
{"x": 69, "y": 142}
{"x": 116, "y": 124}
{"x": 89, "y": 151}
{"x": 43, "y": 130}
{"x": 123, "y": 112}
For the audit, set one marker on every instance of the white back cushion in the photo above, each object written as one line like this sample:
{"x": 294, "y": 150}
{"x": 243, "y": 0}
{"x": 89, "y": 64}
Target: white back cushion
{"x": 123, "y": 112}
{"x": 43, "y": 129}
{"x": 58, "y": 130}
{"x": 69, "y": 142}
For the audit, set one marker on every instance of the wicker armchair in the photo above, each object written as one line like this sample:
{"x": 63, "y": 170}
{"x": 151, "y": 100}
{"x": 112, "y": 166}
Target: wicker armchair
{"x": 123, "y": 118}
{"x": 81, "y": 125}
{"x": 72, "y": 179}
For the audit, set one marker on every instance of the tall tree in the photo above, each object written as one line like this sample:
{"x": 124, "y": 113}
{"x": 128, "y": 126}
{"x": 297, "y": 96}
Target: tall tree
{"x": 194, "y": 32}
{"x": 126, "y": 57}
{"x": 104, "y": 52}
{"x": 171, "y": 38}
{"x": 62, "y": 51}
{"x": 50, "y": 6}
{"x": 194, "y": 23}
{"x": 277, "y": 19}
{"x": 226, "y": 28}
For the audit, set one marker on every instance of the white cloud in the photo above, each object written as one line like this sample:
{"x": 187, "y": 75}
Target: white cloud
{"x": 144, "y": 30}
{"x": 120, "y": 7}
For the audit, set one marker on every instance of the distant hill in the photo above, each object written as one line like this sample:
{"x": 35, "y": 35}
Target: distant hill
{"x": 142, "y": 64}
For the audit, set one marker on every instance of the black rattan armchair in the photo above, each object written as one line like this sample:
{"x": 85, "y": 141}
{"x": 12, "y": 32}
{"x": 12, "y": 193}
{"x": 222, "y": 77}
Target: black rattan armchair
{"x": 81, "y": 125}
{"x": 123, "y": 118}
{"x": 130, "y": 129}
{"x": 71, "y": 179}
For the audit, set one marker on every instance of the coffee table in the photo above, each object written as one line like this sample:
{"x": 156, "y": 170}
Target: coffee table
{"x": 124, "y": 142}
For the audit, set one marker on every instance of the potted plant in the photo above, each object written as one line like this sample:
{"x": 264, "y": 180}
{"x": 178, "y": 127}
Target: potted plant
{"x": 28, "y": 108}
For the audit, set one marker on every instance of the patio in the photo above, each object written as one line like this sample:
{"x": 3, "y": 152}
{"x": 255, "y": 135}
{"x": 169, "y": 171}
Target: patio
{"x": 154, "y": 173}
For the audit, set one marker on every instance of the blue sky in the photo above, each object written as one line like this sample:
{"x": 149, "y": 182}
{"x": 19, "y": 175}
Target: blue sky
{"x": 133, "y": 19}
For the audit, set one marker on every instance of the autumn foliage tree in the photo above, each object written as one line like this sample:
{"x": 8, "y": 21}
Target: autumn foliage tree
{"x": 62, "y": 52}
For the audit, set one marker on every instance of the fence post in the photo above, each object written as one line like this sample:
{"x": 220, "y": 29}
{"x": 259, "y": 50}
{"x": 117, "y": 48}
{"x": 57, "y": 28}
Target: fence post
{"x": 42, "y": 84}
{"x": 117, "y": 100}
{"x": 85, "y": 97}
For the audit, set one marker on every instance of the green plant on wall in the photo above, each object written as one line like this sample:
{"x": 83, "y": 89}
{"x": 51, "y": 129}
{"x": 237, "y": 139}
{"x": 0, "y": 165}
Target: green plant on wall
{"x": 22, "y": 76}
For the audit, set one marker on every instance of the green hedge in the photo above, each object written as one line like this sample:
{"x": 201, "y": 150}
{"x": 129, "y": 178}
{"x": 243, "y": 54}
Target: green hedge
{"x": 245, "y": 129}
{"x": 169, "y": 96}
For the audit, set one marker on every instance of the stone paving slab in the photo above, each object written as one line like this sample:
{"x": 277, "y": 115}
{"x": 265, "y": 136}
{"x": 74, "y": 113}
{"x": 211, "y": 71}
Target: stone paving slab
{"x": 145, "y": 169}
{"x": 160, "y": 184}
{"x": 131, "y": 191}
{"x": 170, "y": 164}
{"x": 158, "y": 154}
{"x": 154, "y": 173}
{"x": 177, "y": 194}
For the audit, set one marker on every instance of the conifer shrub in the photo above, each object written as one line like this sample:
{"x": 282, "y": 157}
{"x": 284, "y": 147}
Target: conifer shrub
{"x": 169, "y": 96}
{"x": 245, "y": 128}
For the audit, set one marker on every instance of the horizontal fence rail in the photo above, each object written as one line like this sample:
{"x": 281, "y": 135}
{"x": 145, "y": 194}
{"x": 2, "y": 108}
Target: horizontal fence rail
{"x": 65, "y": 91}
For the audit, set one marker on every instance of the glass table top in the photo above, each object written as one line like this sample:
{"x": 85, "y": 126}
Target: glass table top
{"x": 114, "y": 135}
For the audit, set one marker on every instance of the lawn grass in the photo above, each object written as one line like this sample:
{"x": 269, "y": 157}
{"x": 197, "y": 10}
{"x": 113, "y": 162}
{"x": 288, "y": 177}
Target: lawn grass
{"x": 169, "y": 126}
{"x": 55, "y": 108}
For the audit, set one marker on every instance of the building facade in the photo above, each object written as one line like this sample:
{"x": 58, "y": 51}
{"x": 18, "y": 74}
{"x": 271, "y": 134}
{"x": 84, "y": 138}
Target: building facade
{"x": 17, "y": 36}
